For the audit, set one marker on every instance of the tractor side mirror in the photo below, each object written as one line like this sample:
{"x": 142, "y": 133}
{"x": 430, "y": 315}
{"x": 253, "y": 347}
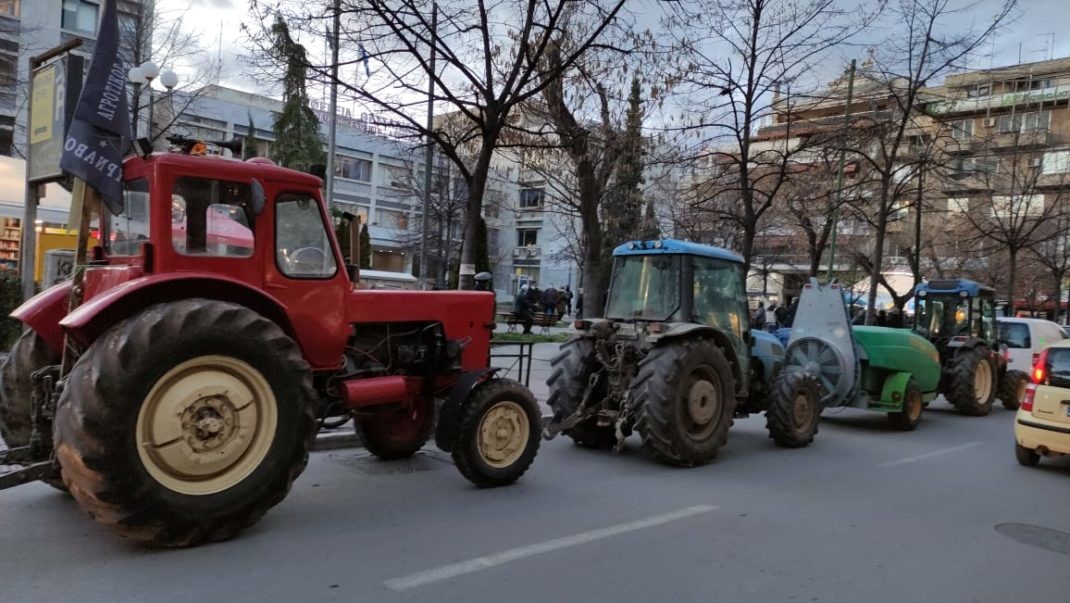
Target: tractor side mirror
{"x": 258, "y": 197}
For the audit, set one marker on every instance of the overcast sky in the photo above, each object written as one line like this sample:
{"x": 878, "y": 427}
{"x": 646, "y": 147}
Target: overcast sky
{"x": 1030, "y": 31}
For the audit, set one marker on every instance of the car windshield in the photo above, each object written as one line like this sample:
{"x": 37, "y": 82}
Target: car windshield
{"x": 942, "y": 317}
{"x": 645, "y": 287}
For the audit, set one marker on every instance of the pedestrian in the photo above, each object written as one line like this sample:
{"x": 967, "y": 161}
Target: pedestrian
{"x": 770, "y": 317}
{"x": 522, "y": 308}
{"x": 758, "y": 321}
{"x": 782, "y": 315}
{"x": 549, "y": 300}
{"x": 882, "y": 318}
{"x": 792, "y": 309}
{"x": 579, "y": 303}
{"x": 568, "y": 299}
{"x": 562, "y": 302}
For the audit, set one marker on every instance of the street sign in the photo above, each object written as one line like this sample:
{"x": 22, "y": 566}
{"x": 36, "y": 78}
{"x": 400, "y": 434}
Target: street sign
{"x": 54, "y": 90}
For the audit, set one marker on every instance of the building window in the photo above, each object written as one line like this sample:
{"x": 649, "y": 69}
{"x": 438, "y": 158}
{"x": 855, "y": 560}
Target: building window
{"x": 980, "y": 91}
{"x": 80, "y": 16}
{"x": 531, "y": 198}
{"x": 962, "y": 129}
{"x": 1012, "y": 206}
{"x": 976, "y": 165}
{"x": 1057, "y": 162}
{"x": 391, "y": 219}
{"x": 1026, "y": 85}
{"x": 958, "y": 205}
{"x": 527, "y": 236}
{"x": 353, "y": 168}
{"x": 1025, "y": 122}
{"x": 9, "y": 8}
{"x": 394, "y": 176}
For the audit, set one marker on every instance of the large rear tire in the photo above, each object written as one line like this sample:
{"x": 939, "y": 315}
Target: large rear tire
{"x": 683, "y": 399}
{"x": 794, "y": 409}
{"x": 185, "y": 423}
{"x": 572, "y": 370}
{"x": 498, "y": 433}
{"x": 397, "y": 433}
{"x": 29, "y": 354}
{"x": 1012, "y": 389}
{"x": 972, "y": 386}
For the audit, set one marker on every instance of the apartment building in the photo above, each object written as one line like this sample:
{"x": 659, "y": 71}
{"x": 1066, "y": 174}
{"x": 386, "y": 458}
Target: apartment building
{"x": 29, "y": 27}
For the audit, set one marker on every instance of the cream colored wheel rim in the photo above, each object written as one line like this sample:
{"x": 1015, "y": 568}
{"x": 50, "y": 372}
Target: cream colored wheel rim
{"x": 503, "y": 434}
{"x": 206, "y": 425}
{"x": 982, "y": 381}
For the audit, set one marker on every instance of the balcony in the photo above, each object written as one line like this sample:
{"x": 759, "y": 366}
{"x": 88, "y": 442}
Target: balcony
{"x": 527, "y": 252}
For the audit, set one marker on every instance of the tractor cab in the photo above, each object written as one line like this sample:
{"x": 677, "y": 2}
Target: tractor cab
{"x": 662, "y": 286}
{"x": 955, "y": 308}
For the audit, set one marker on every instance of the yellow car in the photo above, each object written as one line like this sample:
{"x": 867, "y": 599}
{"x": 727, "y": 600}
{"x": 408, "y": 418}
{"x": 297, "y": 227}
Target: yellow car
{"x": 1042, "y": 426}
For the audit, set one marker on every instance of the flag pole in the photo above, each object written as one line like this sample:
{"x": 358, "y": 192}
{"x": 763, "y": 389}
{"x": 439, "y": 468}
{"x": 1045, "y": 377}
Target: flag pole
{"x": 332, "y": 119}
{"x": 84, "y": 199}
{"x": 429, "y": 153}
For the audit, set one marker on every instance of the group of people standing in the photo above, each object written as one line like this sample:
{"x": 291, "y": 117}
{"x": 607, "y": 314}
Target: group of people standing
{"x": 530, "y": 299}
{"x": 774, "y": 316}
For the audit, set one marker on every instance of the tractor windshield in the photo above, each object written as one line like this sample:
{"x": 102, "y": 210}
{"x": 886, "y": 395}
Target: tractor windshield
{"x": 942, "y": 317}
{"x": 645, "y": 287}
{"x": 130, "y": 228}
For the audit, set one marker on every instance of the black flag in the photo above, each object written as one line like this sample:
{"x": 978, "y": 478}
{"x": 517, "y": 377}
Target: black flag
{"x": 100, "y": 131}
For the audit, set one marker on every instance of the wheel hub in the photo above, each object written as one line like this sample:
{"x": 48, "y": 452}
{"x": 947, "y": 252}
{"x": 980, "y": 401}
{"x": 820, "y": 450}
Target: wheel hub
{"x": 702, "y": 402}
{"x": 801, "y": 410}
{"x": 206, "y": 425}
{"x": 503, "y": 434}
{"x": 982, "y": 381}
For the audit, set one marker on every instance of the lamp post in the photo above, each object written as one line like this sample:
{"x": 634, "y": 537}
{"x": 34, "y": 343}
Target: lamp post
{"x": 143, "y": 76}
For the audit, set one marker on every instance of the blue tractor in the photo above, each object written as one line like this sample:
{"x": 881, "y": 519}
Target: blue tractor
{"x": 674, "y": 359}
{"x": 959, "y": 317}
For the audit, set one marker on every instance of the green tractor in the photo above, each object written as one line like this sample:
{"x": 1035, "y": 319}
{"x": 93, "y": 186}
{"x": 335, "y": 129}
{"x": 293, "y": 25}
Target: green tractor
{"x": 673, "y": 359}
{"x": 959, "y": 317}
{"x": 886, "y": 370}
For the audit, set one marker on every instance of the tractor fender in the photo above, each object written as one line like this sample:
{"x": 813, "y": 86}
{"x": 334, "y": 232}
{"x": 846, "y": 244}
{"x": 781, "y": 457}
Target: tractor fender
{"x": 894, "y": 388}
{"x": 91, "y": 319}
{"x": 767, "y": 349}
{"x": 681, "y": 330}
{"x": 43, "y": 312}
{"x": 449, "y": 414}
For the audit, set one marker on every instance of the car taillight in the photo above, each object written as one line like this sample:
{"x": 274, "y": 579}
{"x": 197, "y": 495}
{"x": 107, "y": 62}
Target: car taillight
{"x": 1029, "y": 397}
{"x": 1039, "y": 368}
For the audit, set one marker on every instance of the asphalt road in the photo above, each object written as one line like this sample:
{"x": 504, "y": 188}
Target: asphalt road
{"x": 864, "y": 514}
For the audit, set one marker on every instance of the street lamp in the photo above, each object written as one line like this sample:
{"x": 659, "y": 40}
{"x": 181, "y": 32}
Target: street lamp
{"x": 143, "y": 75}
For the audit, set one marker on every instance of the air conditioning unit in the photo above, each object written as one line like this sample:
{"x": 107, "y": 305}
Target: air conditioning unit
{"x": 1036, "y": 162}
{"x": 518, "y": 252}
{"x": 990, "y": 122}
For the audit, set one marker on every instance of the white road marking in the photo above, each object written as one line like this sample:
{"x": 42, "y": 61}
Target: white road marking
{"x": 929, "y": 455}
{"x": 481, "y": 563}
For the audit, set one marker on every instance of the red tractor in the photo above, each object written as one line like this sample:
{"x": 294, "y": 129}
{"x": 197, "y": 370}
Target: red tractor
{"x": 219, "y": 323}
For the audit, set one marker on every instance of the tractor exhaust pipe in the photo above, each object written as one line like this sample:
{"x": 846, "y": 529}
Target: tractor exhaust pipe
{"x": 380, "y": 390}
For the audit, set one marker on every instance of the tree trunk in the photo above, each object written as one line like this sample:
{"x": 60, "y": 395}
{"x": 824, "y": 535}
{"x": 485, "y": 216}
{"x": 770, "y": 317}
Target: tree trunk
{"x": 473, "y": 211}
{"x": 877, "y": 262}
{"x": 1011, "y": 278}
{"x": 592, "y": 231}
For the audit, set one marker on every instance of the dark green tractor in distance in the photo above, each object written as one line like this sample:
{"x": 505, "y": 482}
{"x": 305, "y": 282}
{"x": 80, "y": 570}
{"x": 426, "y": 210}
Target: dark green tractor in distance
{"x": 673, "y": 359}
{"x": 959, "y": 317}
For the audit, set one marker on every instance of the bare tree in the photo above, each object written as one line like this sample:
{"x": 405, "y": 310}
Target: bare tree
{"x": 1053, "y": 255}
{"x": 927, "y": 43}
{"x": 770, "y": 44}
{"x": 490, "y": 59}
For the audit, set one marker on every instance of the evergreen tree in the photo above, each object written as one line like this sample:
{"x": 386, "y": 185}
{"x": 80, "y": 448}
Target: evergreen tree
{"x": 482, "y": 255}
{"x": 623, "y": 208}
{"x": 297, "y": 129}
{"x": 365, "y": 247}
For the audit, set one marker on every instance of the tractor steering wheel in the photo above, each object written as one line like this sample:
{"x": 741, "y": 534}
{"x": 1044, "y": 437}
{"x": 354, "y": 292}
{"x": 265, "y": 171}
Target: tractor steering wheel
{"x": 307, "y": 260}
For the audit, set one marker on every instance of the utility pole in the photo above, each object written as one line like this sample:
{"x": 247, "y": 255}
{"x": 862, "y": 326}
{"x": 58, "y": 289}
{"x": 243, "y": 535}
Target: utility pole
{"x": 839, "y": 171}
{"x": 333, "y": 118}
{"x": 429, "y": 153}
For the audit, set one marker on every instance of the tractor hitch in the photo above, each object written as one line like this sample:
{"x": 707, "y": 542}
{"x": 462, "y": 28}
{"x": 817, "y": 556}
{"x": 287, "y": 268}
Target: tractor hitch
{"x": 34, "y": 461}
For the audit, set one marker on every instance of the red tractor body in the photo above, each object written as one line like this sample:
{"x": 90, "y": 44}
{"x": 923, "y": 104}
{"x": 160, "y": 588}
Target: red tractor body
{"x": 247, "y": 242}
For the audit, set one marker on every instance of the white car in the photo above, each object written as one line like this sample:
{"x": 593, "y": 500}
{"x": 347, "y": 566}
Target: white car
{"x": 1025, "y": 338}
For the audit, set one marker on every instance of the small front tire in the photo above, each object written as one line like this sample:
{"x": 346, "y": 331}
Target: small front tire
{"x": 794, "y": 409}
{"x": 498, "y": 433}
{"x": 908, "y": 418}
